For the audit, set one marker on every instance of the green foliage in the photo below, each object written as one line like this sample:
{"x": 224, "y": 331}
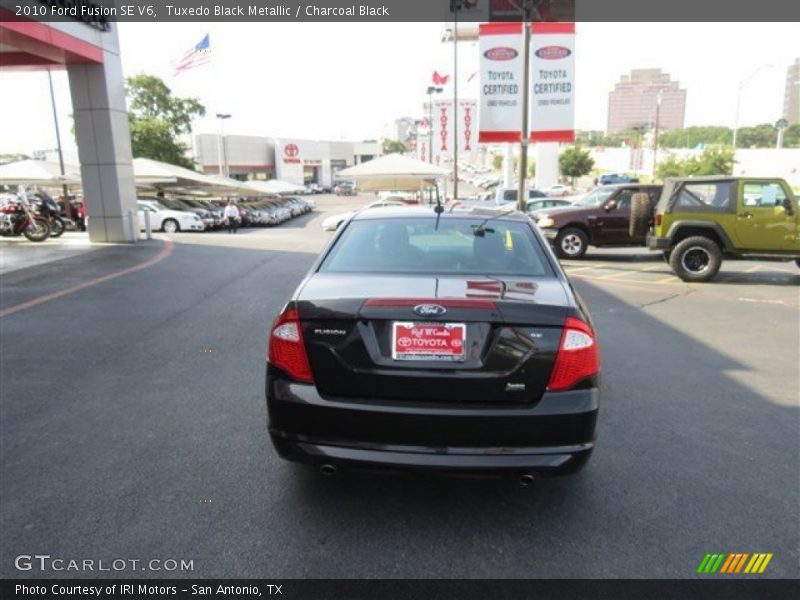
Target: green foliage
{"x": 575, "y": 162}
{"x": 497, "y": 162}
{"x": 671, "y": 166}
{"x": 393, "y": 146}
{"x": 715, "y": 160}
{"x": 692, "y": 136}
{"x": 531, "y": 168}
{"x": 157, "y": 118}
{"x": 12, "y": 157}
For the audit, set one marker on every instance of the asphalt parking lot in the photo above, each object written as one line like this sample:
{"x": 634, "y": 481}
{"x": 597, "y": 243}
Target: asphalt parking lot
{"x": 132, "y": 425}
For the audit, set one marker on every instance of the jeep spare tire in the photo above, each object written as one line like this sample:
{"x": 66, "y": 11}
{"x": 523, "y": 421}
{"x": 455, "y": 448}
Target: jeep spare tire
{"x": 640, "y": 215}
{"x": 696, "y": 259}
{"x": 571, "y": 243}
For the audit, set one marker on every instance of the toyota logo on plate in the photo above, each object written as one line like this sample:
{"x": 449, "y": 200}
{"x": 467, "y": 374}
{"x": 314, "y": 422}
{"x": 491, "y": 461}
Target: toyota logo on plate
{"x": 291, "y": 150}
{"x": 429, "y": 310}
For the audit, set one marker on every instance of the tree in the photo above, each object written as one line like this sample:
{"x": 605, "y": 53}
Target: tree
{"x": 497, "y": 162}
{"x": 671, "y": 166}
{"x": 393, "y": 146}
{"x": 157, "y": 118}
{"x": 715, "y": 160}
{"x": 575, "y": 162}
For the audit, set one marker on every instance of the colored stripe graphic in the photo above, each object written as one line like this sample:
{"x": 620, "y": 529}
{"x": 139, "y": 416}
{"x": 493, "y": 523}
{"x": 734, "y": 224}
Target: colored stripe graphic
{"x": 733, "y": 563}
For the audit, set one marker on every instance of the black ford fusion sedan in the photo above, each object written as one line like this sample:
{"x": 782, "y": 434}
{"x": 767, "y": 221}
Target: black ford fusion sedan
{"x": 450, "y": 342}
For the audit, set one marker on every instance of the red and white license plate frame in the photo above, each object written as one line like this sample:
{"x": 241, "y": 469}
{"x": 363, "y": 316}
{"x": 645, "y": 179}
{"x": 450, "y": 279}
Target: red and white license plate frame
{"x": 443, "y": 342}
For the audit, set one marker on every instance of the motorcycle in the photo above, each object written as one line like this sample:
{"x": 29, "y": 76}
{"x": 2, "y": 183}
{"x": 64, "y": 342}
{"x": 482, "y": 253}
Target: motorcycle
{"x": 46, "y": 207}
{"x": 17, "y": 218}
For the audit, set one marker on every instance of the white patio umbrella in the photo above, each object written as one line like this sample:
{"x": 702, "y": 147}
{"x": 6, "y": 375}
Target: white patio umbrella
{"x": 394, "y": 172}
{"x": 274, "y": 186}
{"x": 39, "y": 172}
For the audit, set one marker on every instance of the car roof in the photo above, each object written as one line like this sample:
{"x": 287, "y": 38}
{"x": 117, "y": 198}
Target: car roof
{"x": 416, "y": 212}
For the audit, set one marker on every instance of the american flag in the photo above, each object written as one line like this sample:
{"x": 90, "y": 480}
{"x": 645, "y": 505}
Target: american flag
{"x": 199, "y": 54}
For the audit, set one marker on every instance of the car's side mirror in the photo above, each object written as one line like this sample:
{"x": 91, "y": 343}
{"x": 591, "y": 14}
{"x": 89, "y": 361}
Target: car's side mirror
{"x": 610, "y": 206}
{"x": 787, "y": 204}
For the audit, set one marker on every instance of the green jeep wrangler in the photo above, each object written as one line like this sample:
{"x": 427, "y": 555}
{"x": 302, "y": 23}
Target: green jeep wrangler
{"x": 699, "y": 220}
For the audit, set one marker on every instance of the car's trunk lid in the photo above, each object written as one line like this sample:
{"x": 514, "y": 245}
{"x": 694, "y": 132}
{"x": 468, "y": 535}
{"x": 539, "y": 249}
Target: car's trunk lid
{"x": 510, "y": 330}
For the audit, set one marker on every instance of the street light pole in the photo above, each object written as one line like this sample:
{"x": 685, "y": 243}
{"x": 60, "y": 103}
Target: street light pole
{"x": 222, "y": 150}
{"x": 65, "y": 191}
{"x": 655, "y": 133}
{"x": 742, "y": 83}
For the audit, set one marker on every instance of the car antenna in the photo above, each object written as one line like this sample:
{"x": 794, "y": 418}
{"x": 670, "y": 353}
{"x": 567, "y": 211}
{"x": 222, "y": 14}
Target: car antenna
{"x": 438, "y": 209}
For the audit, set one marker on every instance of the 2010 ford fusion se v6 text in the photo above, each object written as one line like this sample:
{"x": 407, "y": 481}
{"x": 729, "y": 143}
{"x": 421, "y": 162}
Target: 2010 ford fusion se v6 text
{"x": 445, "y": 342}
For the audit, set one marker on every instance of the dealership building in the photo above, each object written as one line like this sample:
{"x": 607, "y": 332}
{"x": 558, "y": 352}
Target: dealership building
{"x": 89, "y": 52}
{"x": 294, "y": 160}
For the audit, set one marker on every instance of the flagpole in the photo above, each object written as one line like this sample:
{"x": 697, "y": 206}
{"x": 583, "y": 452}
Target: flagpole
{"x": 455, "y": 104}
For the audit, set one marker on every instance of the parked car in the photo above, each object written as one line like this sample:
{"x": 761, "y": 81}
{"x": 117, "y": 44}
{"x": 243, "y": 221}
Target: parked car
{"x": 558, "y": 190}
{"x": 314, "y": 188}
{"x": 699, "y": 221}
{"x": 601, "y": 218}
{"x": 333, "y": 222}
{"x": 544, "y": 203}
{"x": 614, "y": 178}
{"x": 367, "y": 361}
{"x": 166, "y": 219}
{"x": 345, "y": 188}
{"x": 504, "y": 195}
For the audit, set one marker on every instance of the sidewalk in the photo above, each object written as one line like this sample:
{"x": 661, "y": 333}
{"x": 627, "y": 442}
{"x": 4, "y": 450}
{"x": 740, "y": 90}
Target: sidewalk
{"x": 18, "y": 253}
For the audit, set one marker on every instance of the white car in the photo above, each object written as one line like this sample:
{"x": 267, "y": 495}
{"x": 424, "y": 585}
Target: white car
{"x": 167, "y": 220}
{"x": 333, "y": 222}
{"x": 559, "y": 189}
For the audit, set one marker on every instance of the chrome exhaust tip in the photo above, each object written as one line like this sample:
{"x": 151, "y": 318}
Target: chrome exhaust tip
{"x": 328, "y": 469}
{"x": 526, "y": 480}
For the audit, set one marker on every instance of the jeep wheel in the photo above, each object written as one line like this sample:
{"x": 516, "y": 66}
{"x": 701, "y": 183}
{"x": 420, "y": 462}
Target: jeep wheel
{"x": 571, "y": 243}
{"x": 640, "y": 216}
{"x": 666, "y": 254}
{"x": 696, "y": 259}
{"x": 797, "y": 262}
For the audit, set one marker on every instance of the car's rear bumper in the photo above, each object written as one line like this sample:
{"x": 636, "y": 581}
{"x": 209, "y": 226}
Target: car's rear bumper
{"x": 551, "y": 437}
{"x": 657, "y": 243}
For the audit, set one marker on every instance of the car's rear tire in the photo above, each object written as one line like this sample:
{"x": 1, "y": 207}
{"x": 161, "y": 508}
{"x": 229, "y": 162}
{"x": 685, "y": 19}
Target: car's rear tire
{"x": 640, "y": 216}
{"x": 571, "y": 243}
{"x": 170, "y": 226}
{"x": 696, "y": 259}
{"x": 797, "y": 262}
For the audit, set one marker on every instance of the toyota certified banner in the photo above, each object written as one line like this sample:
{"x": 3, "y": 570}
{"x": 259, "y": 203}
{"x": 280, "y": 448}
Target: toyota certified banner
{"x": 501, "y": 69}
{"x": 552, "y": 81}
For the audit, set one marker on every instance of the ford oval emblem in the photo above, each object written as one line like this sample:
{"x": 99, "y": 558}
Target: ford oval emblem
{"x": 553, "y": 52}
{"x": 501, "y": 53}
{"x": 429, "y": 310}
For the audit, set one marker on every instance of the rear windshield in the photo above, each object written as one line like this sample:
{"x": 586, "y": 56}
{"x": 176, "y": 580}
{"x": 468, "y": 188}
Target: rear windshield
{"x": 415, "y": 245}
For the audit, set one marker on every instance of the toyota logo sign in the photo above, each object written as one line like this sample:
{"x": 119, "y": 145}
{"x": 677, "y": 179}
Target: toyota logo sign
{"x": 291, "y": 150}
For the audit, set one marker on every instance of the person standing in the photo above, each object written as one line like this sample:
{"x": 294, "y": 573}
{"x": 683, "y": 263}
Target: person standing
{"x": 232, "y": 216}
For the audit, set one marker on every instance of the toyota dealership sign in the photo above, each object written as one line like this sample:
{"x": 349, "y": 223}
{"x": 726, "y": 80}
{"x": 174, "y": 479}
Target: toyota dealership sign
{"x": 551, "y": 82}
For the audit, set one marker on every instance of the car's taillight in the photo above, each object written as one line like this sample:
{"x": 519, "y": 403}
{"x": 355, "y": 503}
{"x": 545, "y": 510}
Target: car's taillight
{"x": 658, "y": 219}
{"x": 578, "y": 356}
{"x": 286, "y": 348}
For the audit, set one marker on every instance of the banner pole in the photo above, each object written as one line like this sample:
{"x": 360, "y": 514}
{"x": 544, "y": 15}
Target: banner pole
{"x": 522, "y": 204}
